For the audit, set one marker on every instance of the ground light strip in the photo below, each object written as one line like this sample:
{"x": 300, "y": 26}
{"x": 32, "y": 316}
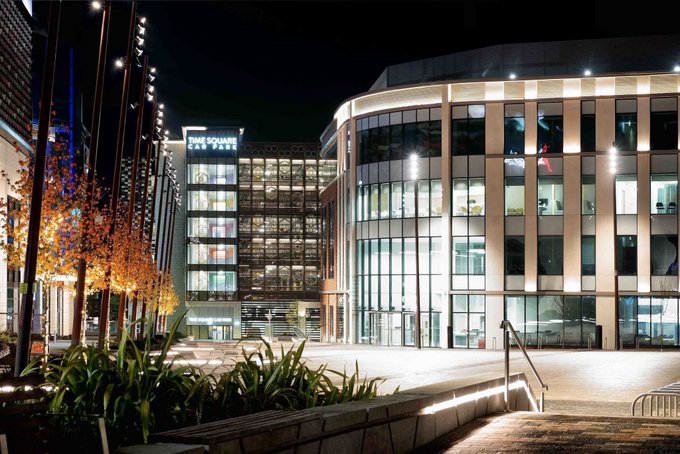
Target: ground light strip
{"x": 457, "y": 401}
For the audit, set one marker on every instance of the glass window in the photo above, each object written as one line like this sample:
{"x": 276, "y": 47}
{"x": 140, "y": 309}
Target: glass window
{"x": 211, "y": 254}
{"x": 514, "y": 129}
{"x": 588, "y": 194}
{"x": 435, "y": 138}
{"x": 467, "y": 129}
{"x": 664, "y": 193}
{"x": 664, "y": 255}
{"x": 436, "y": 197}
{"x": 663, "y": 127}
{"x": 212, "y": 227}
{"x": 550, "y": 196}
{"x": 514, "y": 196}
{"x": 460, "y": 255}
{"x": 397, "y": 200}
{"x": 588, "y": 126}
{"x": 468, "y": 321}
{"x": 588, "y": 255}
{"x": 384, "y": 201}
{"x": 374, "y": 210}
{"x": 423, "y": 199}
{"x": 396, "y": 146}
{"x": 459, "y": 195}
{"x": 468, "y": 196}
{"x": 626, "y": 124}
{"x": 409, "y": 199}
{"x": 550, "y": 127}
{"x": 514, "y": 255}
{"x": 627, "y": 255}
{"x": 550, "y": 255}
{"x": 626, "y": 194}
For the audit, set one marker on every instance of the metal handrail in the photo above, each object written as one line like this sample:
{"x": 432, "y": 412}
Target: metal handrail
{"x": 507, "y": 328}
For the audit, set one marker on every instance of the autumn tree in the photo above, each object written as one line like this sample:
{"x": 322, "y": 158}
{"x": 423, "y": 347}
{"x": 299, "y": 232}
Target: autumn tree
{"x": 61, "y": 222}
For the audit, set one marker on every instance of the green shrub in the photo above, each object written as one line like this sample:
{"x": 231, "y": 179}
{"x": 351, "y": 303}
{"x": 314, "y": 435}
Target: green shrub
{"x": 136, "y": 392}
{"x": 139, "y": 393}
{"x": 261, "y": 382}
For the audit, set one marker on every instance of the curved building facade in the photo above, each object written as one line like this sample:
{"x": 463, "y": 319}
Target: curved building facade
{"x": 538, "y": 184}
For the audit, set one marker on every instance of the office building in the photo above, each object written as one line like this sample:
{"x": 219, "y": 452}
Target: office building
{"x": 508, "y": 165}
{"x": 15, "y": 128}
{"x": 250, "y": 264}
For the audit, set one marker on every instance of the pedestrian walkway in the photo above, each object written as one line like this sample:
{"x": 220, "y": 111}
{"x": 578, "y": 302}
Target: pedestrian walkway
{"x": 545, "y": 433}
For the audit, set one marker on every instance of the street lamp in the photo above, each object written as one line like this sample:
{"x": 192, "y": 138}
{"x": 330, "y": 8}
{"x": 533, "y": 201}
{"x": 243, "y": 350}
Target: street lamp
{"x": 613, "y": 154}
{"x": 414, "y": 177}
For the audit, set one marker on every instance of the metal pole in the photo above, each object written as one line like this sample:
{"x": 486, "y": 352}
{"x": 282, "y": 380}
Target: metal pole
{"x": 506, "y": 345}
{"x": 133, "y": 186}
{"x": 79, "y": 304}
{"x": 106, "y": 294}
{"x": 25, "y": 322}
{"x": 418, "y": 340}
{"x": 145, "y": 197}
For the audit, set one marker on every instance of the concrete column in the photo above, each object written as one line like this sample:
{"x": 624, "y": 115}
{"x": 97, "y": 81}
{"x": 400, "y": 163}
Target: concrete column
{"x": 445, "y": 282}
{"x": 530, "y": 225}
{"x": 604, "y": 124}
{"x": 495, "y": 220}
{"x": 353, "y": 316}
{"x": 604, "y": 262}
{"x": 571, "y": 110}
{"x": 644, "y": 263}
{"x": 572, "y": 223}
{"x": 530, "y": 127}
{"x": 643, "y": 117}
{"x": 494, "y": 131}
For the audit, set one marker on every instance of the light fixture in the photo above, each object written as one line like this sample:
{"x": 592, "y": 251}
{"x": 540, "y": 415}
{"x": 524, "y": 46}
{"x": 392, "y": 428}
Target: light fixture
{"x": 150, "y": 88}
{"x": 676, "y": 68}
{"x": 159, "y": 121}
{"x": 513, "y": 76}
{"x": 134, "y": 105}
{"x": 142, "y": 20}
{"x": 152, "y": 70}
{"x": 151, "y": 77}
{"x": 161, "y": 106}
{"x": 149, "y": 97}
{"x": 160, "y": 113}
{"x": 96, "y": 5}
{"x": 140, "y": 40}
{"x": 138, "y": 51}
{"x": 167, "y": 132}
{"x": 587, "y": 72}
{"x": 141, "y": 30}
{"x": 119, "y": 63}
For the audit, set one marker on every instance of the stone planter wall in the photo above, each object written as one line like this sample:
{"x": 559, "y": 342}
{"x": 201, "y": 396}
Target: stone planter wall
{"x": 388, "y": 424}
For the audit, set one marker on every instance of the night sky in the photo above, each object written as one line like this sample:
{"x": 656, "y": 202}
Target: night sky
{"x": 280, "y": 69}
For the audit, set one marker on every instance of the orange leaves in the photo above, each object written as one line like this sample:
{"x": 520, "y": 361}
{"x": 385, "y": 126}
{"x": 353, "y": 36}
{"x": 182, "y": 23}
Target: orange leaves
{"x": 62, "y": 222}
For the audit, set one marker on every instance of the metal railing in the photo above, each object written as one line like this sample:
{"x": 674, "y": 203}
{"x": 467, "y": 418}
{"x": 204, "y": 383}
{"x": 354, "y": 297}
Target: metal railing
{"x": 508, "y": 329}
{"x": 663, "y": 402}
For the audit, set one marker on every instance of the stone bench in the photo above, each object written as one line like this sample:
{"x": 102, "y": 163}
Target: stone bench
{"x": 243, "y": 434}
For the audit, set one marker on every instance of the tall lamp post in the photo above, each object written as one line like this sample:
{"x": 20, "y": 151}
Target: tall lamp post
{"x": 613, "y": 154}
{"x": 414, "y": 177}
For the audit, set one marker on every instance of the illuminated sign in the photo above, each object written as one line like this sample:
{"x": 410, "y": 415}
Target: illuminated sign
{"x": 208, "y": 320}
{"x": 206, "y": 142}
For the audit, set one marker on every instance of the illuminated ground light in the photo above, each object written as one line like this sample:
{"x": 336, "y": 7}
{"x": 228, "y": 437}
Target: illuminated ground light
{"x": 457, "y": 401}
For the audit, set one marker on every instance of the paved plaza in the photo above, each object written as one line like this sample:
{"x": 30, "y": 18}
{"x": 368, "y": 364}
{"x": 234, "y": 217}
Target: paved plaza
{"x": 580, "y": 381}
{"x": 545, "y": 433}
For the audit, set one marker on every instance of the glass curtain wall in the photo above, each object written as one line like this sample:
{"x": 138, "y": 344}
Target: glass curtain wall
{"x": 552, "y": 320}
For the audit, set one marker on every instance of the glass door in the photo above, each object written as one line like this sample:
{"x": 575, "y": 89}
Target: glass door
{"x": 409, "y": 329}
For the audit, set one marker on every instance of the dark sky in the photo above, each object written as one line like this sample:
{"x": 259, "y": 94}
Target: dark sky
{"x": 282, "y": 68}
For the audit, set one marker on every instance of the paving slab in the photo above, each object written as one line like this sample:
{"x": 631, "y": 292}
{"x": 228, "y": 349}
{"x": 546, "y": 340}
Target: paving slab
{"x": 547, "y": 433}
